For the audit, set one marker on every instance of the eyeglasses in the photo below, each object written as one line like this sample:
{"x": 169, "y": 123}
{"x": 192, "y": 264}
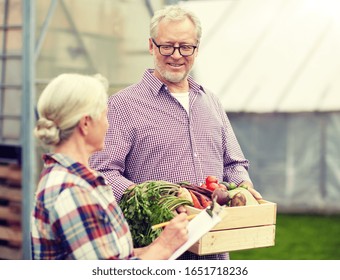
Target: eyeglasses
{"x": 167, "y": 50}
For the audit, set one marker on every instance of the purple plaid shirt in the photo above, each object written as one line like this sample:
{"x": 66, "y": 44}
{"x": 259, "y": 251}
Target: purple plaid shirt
{"x": 152, "y": 137}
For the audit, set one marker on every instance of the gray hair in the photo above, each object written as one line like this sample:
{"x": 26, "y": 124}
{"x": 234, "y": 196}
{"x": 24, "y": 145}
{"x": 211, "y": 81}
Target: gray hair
{"x": 64, "y": 101}
{"x": 174, "y": 13}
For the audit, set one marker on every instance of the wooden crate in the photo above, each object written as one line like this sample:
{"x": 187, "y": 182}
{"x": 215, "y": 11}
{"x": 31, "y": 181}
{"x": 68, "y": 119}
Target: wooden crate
{"x": 12, "y": 235}
{"x": 243, "y": 227}
{"x": 10, "y": 212}
{"x": 11, "y": 173}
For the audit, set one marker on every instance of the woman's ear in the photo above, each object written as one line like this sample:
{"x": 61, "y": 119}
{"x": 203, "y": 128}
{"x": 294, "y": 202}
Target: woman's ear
{"x": 84, "y": 124}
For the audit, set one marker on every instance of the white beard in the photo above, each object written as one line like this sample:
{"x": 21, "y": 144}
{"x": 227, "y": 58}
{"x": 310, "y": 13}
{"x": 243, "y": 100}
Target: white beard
{"x": 170, "y": 76}
{"x": 173, "y": 77}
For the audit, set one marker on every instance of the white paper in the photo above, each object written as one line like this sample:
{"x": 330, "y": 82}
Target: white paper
{"x": 197, "y": 227}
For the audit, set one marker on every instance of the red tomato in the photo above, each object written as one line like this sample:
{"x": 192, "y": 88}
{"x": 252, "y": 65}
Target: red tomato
{"x": 211, "y": 179}
{"x": 204, "y": 186}
{"x": 212, "y": 186}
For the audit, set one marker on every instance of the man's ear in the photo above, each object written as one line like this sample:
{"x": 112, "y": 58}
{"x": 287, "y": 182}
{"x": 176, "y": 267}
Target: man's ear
{"x": 150, "y": 46}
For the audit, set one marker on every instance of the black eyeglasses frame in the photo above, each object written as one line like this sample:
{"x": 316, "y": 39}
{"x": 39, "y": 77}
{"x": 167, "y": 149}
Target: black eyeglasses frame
{"x": 174, "y": 49}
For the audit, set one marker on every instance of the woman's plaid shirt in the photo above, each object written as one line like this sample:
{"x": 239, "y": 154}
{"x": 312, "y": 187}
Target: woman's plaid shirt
{"x": 76, "y": 215}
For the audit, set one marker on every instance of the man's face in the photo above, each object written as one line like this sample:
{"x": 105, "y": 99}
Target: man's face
{"x": 174, "y": 68}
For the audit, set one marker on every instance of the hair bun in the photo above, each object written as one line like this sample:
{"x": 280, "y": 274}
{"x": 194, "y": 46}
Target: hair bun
{"x": 47, "y": 131}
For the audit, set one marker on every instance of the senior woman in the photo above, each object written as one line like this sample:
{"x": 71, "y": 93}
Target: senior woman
{"x": 76, "y": 215}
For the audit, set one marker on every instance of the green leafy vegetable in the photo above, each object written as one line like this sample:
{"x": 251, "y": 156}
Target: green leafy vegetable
{"x": 147, "y": 204}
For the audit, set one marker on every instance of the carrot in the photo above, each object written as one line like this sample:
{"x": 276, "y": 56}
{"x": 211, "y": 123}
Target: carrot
{"x": 205, "y": 203}
{"x": 204, "y": 200}
{"x": 195, "y": 200}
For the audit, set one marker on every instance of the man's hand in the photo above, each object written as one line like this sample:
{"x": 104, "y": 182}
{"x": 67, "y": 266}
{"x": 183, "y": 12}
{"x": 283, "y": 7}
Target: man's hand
{"x": 251, "y": 189}
{"x": 131, "y": 187}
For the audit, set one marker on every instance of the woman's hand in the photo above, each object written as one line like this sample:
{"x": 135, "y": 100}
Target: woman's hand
{"x": 176, "y": 233}
{"x": 172, "y": 237}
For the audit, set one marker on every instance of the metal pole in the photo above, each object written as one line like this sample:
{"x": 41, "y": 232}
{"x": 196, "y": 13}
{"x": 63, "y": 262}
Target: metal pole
{"x": 3, "y": 66}
{"x": 149, "y": 7}
{"x": 45, "y": 25}
{"x": 27, "y": 123}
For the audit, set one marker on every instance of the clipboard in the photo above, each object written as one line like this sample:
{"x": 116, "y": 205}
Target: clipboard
{"x": 197, "y": 227}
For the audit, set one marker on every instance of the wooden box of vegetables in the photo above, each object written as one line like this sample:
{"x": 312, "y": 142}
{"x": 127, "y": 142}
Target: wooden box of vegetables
{"x": 242, "y": 227}
{"x": 246, "y": 223}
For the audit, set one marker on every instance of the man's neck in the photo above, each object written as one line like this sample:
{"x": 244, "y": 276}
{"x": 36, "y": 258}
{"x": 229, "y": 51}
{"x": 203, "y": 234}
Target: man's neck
{"x": 182, "y": 86}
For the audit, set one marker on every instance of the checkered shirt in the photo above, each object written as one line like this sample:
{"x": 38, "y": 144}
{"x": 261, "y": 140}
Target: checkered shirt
{"x": 76, "y": 215}
{"x": 152, "y": 137}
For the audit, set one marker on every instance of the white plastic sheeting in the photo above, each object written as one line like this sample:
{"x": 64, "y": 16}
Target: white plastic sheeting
{"x": 295, "y": 158}
{"x": 270, "y": 55}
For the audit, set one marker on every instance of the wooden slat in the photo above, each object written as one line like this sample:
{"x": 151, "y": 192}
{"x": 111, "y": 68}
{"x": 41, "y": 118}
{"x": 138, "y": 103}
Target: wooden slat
{"x": 3, "y": 171}
{"x": 8, "y": 253}
{"x": 9, "y": 214}
{"x": 11, "y": 172}
{"x": 11, "y": 234}
{"x": 11, "y": 194}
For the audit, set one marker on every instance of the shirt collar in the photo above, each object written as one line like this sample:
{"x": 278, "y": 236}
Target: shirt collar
{"x": 157, "y": 86}
{"x": 93, "y": 177}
